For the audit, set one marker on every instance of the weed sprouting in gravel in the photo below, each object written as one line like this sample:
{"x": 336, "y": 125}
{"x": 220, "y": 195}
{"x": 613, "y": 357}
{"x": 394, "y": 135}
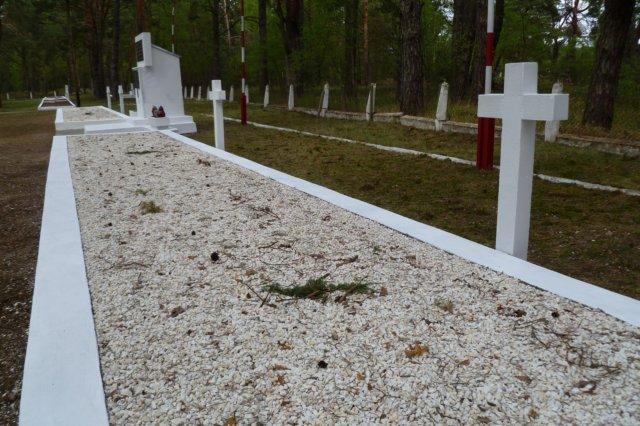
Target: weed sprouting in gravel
{"x": 149, "y": 207}
{"x": 141, "y": 191}
{"x": 319, "y": 288}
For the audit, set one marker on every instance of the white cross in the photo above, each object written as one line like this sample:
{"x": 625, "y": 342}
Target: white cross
{"x": 519, "y": 108}
{"x": 218, "y": 96}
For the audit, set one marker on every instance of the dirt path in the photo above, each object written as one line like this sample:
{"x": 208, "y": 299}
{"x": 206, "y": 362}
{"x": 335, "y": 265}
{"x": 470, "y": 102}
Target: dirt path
{"x": 25, "y": 141}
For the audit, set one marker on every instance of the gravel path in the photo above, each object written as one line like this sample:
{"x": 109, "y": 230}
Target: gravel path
{"x": 88, "y": 114}
{"x": 187, "y": 334}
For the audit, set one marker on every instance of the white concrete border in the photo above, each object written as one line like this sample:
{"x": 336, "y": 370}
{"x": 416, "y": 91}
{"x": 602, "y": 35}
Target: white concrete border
{"x": 78, "y": 127}
{"x": 617, "y": 305}
{"x": 54, "y": 98}
{"x": 440, "y": 157}
{"x": 62, "y": 383}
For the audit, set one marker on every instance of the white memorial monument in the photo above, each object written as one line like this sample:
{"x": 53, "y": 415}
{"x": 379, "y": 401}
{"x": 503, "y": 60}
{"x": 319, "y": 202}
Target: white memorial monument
{"x": 265, "y": 103}
{"x": 159, "y": 85}
{"x": 324, "y": 101}
{"x": 552, "y": 128}
{"x": 370, "y": 109}
{"x": 443, "y": 101}
{"x": 231, "y": 94}
{"x": 108, "y": 94}
{"x": 519, "y": 108}
{"x": 290, "y": 104}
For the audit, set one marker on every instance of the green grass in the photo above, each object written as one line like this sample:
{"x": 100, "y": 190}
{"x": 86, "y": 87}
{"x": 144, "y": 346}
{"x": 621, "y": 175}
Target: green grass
{"x": 552, "y": 159}
{"x": 590, "y": 235}
{"x": 318, "y": 288}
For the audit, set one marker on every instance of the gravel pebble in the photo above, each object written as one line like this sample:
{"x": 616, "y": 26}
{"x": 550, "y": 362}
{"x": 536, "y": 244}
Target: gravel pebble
{"x": 88, "y": 114}
{"x": 184, "y": 339}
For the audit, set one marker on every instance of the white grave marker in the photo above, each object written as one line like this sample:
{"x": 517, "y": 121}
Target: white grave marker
{"x": 55, "y": 94}
{"x": 370, "y": 109}
{"x": 443, "y": 100}
{"x": 184, "y": 92}
{"x": 519, "y": 108}
{"x": 66, "y": 91}
{"x": 108, "y": 91}
{"x": 552, "y": 128}
{"x": 218, "y": 96}
{"x": 30, "y": 95}
{"x": 8, "y": 97}
{"x": 265, "y": 103}
{"x": 121, "y": 98}
{"x": 246, "y": 92}
{"x": 199, "y": 92}
{"x": 231, "y": 94}
{"x": 191, "y": 97}
{"x": 324, "y": 101}
{"x": 131, "y": 89}
{"x": 290, "y": 104}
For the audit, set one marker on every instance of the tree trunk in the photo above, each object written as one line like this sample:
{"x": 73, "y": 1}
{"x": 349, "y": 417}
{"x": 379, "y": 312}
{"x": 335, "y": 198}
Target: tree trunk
{"x": 72, "y": 56}
{"x": 262, "y": 30}
{"x": 412, "y": 93}
{"x": 497, "y": 22}
{"x": 95, "y": 14}
{"x": 462, "y": 44}
{"x": 350, "y": 47}
{"x": 478, "y": 58}
{"x": 365, "y": 42}
{"x": 2, "y": 4}
{"x": 114, "y": 74}
{"x": 291, "y": 14}
{"x": 216, "y": 72}
{"x": 613, "y": 31}
{"x": 141, "y": 16}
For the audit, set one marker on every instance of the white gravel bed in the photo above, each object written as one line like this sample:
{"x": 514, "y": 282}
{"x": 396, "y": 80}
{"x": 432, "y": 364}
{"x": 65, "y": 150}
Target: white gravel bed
{"x": 184, "y": 339}
{"x": 88, "y": 114}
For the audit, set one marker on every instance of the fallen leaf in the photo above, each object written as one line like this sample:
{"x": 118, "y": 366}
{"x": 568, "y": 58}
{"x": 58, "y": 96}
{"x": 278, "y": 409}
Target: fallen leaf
{"x": 176, "y": 311}
{"x": 416, "y": 350}
{"x": 384, "y": 291}
{"x": 279, "y": 367}
{"x": 285, "y": 346}
{"x": 280, "y": 380}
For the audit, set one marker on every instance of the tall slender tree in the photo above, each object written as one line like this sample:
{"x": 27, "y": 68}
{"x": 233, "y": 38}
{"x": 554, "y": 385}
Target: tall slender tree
{"x": 216, "y": 64}
{"x": 141, "y": 16}
{"x": 365, "y": 43}
{"x": 412, "y": 91}
{"x": 95, "y": 12}
{"x": 71, "y": 53}
{"x": 350, "y": 48}
{"x": 462, "y": 45}
{"x": 262, "y": 33}
{"x": 114, "y": 69}
{"x": 2, "y": 11}
{"x": 291, "y": 16}
{"x": 613, "y": 33}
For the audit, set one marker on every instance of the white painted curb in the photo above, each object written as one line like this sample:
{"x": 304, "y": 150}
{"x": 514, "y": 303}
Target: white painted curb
{"x": 62, "y": 383}
{"x": 617, "y": 305}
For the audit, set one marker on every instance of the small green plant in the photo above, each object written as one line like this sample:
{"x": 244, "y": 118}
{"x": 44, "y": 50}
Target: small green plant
{"x": 149, "y": 207}
{"x": 445, "y": 304}
{"x": 141, "y": 191}
{"x": 319, "y": 288}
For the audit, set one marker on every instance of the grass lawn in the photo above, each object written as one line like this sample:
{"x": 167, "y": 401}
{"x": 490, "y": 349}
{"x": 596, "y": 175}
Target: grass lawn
{"x": 590, "y": 235}
{"x": 552, "y": 159}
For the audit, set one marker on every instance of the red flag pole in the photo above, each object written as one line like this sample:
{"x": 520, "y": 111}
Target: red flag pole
{"x": 243, "y": 68}
{"x": 487, "y": 126}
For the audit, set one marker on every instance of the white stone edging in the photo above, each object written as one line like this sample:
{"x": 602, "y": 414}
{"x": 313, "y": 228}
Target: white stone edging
{"x": 617, "y": 305}
{"x": 62, "y": 383}
{"x": 440, "y": 157}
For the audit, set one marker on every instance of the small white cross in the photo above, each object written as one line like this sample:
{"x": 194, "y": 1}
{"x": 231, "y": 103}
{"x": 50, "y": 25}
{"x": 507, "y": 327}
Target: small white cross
{"x": 519, "y": 108}
{"x": 218, "y": 96}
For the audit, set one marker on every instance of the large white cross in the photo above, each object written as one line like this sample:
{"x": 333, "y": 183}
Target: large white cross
{"x": 519, "y": 108}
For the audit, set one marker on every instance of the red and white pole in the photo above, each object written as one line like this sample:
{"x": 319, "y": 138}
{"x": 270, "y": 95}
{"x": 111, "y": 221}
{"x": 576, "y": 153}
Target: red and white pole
{"x": 243, "y": 68}
{"x": 487, "y": 126}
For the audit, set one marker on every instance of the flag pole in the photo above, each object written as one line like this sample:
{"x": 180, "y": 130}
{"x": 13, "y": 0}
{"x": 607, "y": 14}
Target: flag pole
{"x": 486, "y": 126}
